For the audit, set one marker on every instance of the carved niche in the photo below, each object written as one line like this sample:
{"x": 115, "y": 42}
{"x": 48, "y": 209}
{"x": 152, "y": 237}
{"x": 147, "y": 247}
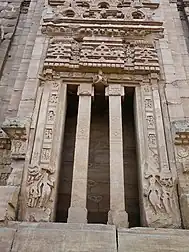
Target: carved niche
{"x": 16, "y": 130}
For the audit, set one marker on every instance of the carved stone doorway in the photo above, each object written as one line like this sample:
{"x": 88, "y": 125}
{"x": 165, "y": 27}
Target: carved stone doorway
{"x": 66, "y": 169}
{"x": 98, "y": 193}
{"x": 130, "y": 159}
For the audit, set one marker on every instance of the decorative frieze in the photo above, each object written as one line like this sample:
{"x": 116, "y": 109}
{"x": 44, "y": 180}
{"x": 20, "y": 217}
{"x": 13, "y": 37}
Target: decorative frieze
{"x": 136, "y": 56}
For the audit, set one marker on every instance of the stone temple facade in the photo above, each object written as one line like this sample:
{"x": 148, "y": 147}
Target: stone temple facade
{"x": 94, "y": 125}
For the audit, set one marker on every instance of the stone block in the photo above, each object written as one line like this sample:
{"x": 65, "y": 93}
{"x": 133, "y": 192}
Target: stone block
{"x": 8, "y": 202}
{"x": 6, "y": 239}
{"x": 48, "y": 237}
{"x": 152, "y": 240}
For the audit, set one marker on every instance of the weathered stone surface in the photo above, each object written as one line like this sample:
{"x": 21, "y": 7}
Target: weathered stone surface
{"x": 6, "y": 239}
{"x": 50, "y": 237}
{"x": 8, "y": 202}
{"x": 152, "y": 240}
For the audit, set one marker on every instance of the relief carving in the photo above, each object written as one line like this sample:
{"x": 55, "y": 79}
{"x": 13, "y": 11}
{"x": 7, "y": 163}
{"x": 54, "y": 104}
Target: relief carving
{"x": 160, "y": 192}
{"x": 16, "y": 130}
{"x": 159, "y": 185}
{"x": 39, "y": 186}
{"x": 100, "y": 78}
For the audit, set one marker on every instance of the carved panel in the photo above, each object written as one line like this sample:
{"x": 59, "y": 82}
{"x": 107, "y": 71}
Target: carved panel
{"x": 159, "y": 191}
{"x": 39, "y": 186}
{"x": 16, "y": 129}
{"x": 40, "y": 176}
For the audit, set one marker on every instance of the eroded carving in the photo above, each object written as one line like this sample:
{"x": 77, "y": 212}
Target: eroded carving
{"x": 39, "y": 186}
{"x": 16, "y": 130}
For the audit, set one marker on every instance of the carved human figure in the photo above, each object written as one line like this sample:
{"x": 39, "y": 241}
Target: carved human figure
{"x": 166, "y": 195}
{"x": 17, "y": 146}
{"x": 33, "y": 194}
{"x": 34, "y": 177}
{"x": 153, "y": 194}
{"x": 100, "y": 78}
{"x": 39, "y": 186}
{"x": 45, "y": 187}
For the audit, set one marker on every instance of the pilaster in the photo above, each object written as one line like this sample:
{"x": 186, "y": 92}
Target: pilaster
{"x": 117, "y": 214}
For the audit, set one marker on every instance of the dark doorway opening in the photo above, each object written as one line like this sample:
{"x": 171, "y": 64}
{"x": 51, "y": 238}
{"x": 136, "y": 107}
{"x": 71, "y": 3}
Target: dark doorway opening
{"x": 66, "y": 169}
{"x": 98, "y": 189}
{"x": 130, "y": 159}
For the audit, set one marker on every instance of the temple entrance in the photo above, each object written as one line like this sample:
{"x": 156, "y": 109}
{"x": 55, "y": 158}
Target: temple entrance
{"x": 130, "y": 159}
{"x": 98, "y": 183}
{"x": 66, "y": 169}
{"x": 98, "y": 193}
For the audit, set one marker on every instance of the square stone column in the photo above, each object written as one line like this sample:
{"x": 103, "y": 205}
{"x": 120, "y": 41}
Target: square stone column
{"x": 77, "y": 212}
{"x": 117, "y": 214}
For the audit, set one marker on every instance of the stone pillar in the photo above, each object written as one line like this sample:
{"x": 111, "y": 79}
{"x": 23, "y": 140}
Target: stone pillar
{"x": 77, "y": 212}
{"x": 117, "y": 214}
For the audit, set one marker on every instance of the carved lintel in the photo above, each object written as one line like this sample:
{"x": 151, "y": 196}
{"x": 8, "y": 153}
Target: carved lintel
{"x": 114, "y": 90}
{"x": 17, "y": 130}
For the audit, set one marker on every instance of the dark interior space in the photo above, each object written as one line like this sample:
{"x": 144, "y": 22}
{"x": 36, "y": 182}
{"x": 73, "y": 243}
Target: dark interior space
{"x": 66, "y": 170}
{"x": 130, "y": 159}
{"x": 98, "y": 190}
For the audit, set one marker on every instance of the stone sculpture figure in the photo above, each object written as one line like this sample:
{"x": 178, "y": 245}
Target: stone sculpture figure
{"x": 153, "y": 194}
{"x": 39, "y": 186}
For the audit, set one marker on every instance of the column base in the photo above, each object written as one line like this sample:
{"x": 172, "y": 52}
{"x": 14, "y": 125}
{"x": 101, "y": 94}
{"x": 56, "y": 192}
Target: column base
{"x": 77, "y": 215}
{"x": 118, "y": 218}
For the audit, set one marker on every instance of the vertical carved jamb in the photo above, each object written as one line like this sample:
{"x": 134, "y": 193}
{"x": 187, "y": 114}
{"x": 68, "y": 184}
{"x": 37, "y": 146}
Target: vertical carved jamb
{"x": 158, "y": 200}
{"x": 57, "y": 142}
{"x": 77, "y": 212}
{"x": 117, "y": 214}
{"x": 43, "y": 169}
{"x": 180, "y": 131}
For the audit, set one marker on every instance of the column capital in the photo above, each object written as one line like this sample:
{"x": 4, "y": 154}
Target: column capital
{"x": 114, "y": 90}
{"x": 85, "y": 90}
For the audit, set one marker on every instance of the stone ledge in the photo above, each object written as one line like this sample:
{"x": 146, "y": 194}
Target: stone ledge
{"x": 153, "y": 240}
{"x": 48, "y": 237}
